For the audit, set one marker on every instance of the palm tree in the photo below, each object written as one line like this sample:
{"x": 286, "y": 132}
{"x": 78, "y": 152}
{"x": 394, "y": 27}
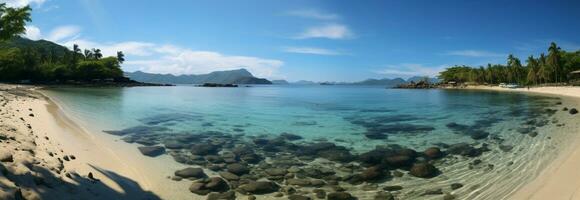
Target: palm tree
{"x": 554, "y": 60}
{"x": 88, "y": 54}
{"x": 532, "y": 70}
{"x": 545, "y": 71}
{"x": 120, "y": 57}
{"x": 13, "y": 21}
{"x": 97, "y": 54}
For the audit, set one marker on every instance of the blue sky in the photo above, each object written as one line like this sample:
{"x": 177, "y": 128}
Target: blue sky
{"x": 311, "y": 40}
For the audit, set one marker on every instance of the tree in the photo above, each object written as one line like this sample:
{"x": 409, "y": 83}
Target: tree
{"x": 97, "y": 54}
{"x": 120, "y": 57}
{"x": 13, "y": 21}
{"x": 554, "y": 61}
{"x": 88, "y": 54}
{"x": 532, "y": 77}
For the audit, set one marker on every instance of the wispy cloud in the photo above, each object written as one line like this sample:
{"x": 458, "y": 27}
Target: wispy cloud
{"x": 312, "y": 50}
{"x": 161, "y": 58}
{"x": 64, "y": 32}
{"x": 329, "y": 31}
{"x": 32, "y": 32}
{"x": 22, "y": 3}
{"x": 58, "y": 34}
{"x": 411, "y": 69}
{"x": 474, "y": 53}
{"x": 313, "y": 14}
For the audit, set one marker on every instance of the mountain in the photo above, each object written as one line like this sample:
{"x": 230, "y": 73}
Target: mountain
{"x": 280, "y": 82}
{"x": 239, "y": 76}
{"x": 420, "y": 78}
{"x": 303, "y": 82}
{"x": 383, "y": 82}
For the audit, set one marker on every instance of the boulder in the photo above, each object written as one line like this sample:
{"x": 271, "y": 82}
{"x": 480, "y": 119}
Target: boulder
{"x": 372, "y": 173}
{"x": 204, "y": 149}
{"x": 423, "y": 170}
{"x": 190, "y": 172}
{"x": 298, "y": 182}
{"x": 229, "y": 195}
{"x": 340, "y": 196}
{"x": 433, "y": 153}
{"x": 573, "y": 111}
{"x": 258, "y": 187}
{"x": 479, "y": 134}
{"x": 204, "y": 187}
{"x": 151, "y": 151}
{"x": 393, "y": 188}
{"x": 238, "y": 169}
{"x": 229, "y": 176}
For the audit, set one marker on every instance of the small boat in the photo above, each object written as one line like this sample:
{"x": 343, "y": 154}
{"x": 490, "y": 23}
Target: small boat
{"x": 512, "y": 86}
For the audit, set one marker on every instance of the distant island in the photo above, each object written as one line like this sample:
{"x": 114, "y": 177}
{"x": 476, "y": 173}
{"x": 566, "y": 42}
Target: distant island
{"x": 239, "y": 76}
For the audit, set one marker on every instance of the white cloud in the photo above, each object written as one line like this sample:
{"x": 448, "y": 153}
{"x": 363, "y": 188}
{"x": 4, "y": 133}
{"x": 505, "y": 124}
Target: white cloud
{"x": 64, "y": 33}
{"x": 329, "y": 31}
{"x": 156, "y": 58}
{"x": 411, "y": 69}
{"x": 32, "y": 32}
{"x": 313, "y": 14}
{"x": 22, "y": 3}
{"x": 188, "y": 61}
{"x": 474, "y": 53}
{"x": 311, "y": 50}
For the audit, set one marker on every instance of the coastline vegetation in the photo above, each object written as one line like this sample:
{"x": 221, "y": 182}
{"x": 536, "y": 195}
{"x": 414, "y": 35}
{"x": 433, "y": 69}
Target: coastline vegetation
{"x": 44, "y": 61}
{"x": 553, "y": 68}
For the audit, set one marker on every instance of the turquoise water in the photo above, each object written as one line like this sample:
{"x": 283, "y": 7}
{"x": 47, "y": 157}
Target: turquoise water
{"x": 338, "y": 113}
{"x": 514, "y": 135}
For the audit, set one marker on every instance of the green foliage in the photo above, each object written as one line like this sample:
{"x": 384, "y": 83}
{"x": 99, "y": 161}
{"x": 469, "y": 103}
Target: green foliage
{"x": 44, "y": 61}
{"x": 553, "y": 68}
{"x": 13, "y": 21}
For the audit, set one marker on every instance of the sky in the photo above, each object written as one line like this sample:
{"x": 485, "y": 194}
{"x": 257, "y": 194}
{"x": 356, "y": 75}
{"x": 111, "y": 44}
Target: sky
{"x": 307, "y": 39}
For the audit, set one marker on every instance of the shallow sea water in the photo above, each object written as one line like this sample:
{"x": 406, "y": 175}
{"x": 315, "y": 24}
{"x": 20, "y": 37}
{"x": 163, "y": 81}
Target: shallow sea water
{"x": 358, "y": 118}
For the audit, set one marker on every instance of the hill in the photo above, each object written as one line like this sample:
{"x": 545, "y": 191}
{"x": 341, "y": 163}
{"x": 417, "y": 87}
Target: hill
{"x": 239, "y": 76}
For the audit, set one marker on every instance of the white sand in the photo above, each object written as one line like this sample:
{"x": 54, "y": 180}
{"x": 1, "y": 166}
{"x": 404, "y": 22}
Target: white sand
{"x": 123, "y": 172}
{"x": 561, "y": 179}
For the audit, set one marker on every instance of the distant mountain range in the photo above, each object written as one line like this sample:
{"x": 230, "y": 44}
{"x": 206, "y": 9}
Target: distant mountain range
{"x": 239, "y": 76}
{"x": 242, "y": 76}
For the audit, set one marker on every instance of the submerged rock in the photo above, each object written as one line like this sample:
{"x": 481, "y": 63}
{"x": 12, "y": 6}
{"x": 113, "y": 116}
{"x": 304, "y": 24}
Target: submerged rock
{"x": 479, "y": 134}
{"x": 152, "y": 151}
{"x": 340, "y": 196}
{"x": 573, "y": 111}
{"x": 382, "y": 195}
{"x": 258, "y": 187}
{"x": 229, "y": 195}
{"x": 238, "y": 169}
{"x": 204, "y": 149}
{"x": 423, "y": 170}
{"x": 214, "y": 184}
{"x": 190, "y": 172}
{"x": 433, "y": 153}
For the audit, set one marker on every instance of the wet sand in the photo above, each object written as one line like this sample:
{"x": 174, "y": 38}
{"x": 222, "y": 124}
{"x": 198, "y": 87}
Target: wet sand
{"x": 561, "y": 179}
{"x": 47, "y": 156}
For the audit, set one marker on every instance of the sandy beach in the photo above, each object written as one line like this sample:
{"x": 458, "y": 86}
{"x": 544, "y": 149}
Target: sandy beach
{"x": 561, "y": 180}
{"x": 45, "y": 155}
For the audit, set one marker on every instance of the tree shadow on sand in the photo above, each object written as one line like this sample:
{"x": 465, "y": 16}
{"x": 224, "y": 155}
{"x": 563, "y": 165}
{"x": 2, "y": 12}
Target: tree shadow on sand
{"x": 44, "y": 184}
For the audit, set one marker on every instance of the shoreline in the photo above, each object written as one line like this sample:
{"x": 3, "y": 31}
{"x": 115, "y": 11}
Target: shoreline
{"x": 135, "y": 175}
{"x": 561, "y": 178}
{"x": 67, "y": 161}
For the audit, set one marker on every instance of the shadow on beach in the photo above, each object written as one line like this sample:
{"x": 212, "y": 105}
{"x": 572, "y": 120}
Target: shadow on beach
{"x": 41, "y": 183}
